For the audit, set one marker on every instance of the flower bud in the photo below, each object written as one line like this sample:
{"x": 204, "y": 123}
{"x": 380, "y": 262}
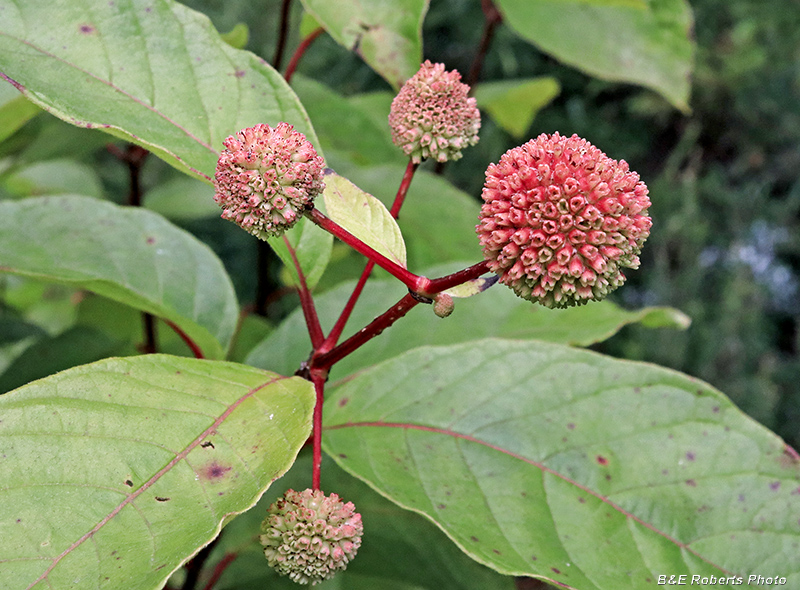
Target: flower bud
{"x": 443, "y": 305}
{"x": 266, "y": 178}
{"x": 432, "y": 116}
{"x": 309, "y": 537}
{"x": 560, "y": 220}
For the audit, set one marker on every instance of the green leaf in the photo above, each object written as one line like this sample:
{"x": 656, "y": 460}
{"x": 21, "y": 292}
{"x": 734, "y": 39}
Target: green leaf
{"x": 237, "y": 37}
{"x": 130, "y": 255}
{"x": 565, "y": 465}
{"x": 496, "y": 312}
{"x": 311, "y": 247}
{"x": 115, "y": 473}
{"x": 15, "y": 110}
{"x": 400, "y": 551}
{"x": 437, "y": 220}
{"x": 156, "y": 74}
{"x": 387, "y": 34}
{"x": 364, "y": 216}
{"x": 54, "y": 177}
{"x": 182, "y": 198}
{"x": 76, "y": 346}
{"x": 513, "y": 104}
{"x": 644, "y": 43}
{"x": 346, "y": 127}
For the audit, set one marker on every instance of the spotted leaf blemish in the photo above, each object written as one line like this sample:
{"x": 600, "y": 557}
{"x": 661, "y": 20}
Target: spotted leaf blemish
{"x": 215, "y": 471}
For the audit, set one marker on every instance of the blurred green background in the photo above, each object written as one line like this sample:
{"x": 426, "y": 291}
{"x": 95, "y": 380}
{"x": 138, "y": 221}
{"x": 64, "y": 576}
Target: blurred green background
{"x": 724, "y": 182}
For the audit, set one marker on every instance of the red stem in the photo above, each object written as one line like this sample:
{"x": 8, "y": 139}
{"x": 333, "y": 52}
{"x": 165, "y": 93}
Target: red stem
{"x": 442, "y": 284}
{"x": 399, "y": 198}
{"x": 196, "y": 351}
{"x": 414, "y": 282}
{"x": 219, "y": 569}
{"x": 298, "y": 53}
{"x": 375, "y": 327}
{"x": 306, "y": 301}
{"x": 318, "y": 377}
{"x": 282, "y": 33}
{"x": 492, "y": 18}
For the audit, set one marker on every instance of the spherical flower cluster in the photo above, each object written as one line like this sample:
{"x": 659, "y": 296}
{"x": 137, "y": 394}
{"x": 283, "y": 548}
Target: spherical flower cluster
{"x": 309, "y": 537}
{"x": 432, "y": 117}
{"x": 560, "y": 219}
{"x": 266, "y": 177}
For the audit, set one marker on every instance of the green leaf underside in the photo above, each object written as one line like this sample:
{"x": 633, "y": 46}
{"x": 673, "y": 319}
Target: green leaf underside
{"x": 513, "y": 104}
{"x": 650, "y": 45}
{"x": 562, "y": 464}
{"x": 115, "y": 473}
{"x": 387, "y": 34}
{"x": 15, "y": 111}
{"x": 400, "y": 551}
{"x": 364, "y": 216}
{"x": 157, "y": 74}
{"x": 130, "y": 255}
{"x": 496, "y": 312}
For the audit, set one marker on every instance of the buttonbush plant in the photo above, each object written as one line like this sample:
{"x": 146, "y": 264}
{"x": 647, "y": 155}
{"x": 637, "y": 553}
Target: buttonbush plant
{"x": 410, "y": 402}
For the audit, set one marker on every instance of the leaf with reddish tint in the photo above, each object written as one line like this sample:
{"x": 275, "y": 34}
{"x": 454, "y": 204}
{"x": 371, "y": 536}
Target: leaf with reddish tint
{"x": 154, "y": 73}
{"x": 387, "y": 34}
{"x": 115, "y": 473}
{"x": 127, "y": 254}
{"x": 579, "y": 469}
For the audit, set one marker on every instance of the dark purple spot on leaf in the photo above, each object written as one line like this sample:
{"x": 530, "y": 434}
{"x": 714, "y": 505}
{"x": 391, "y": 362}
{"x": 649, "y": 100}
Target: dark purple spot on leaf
{"x": 796, "y": 492}
{"x": 608, "y": 477}
{"x": 775, "y": 485}
{"x": 571, "y": 426}
{"x": 220, "y": 493}
{"x": 215, "y": 471}
{"x": 343, "y": 401}
{"x": 474, "y": 538}
{"x": 161, "y": 499}
{"x": 582, "y": 500}
{"x": 715, "y": 409}
{"x": 700, "y": 392}
{"x": 129, "y": 483}
{"x": 555, "y": 570}
{"x": 19, "y": 520}
{"x": 148, "y": 9}
{"x": 637, "y": 390}
{"x": 690, "y": 456}
{"x": 741, "y": 498}
{"x": 151, "y": 240}
{"x": 342, "y": 455}
{"x": 691, "y": 482}
{"x": 240, "y": 73}
{"x": 207, "y": 444}
{"x": 496, "y": 551}
{"x": 602, "y": 460}
{"x": 533, "y": 558}
{"x": 86, "y": 29}
{"x": 441, "y": 506}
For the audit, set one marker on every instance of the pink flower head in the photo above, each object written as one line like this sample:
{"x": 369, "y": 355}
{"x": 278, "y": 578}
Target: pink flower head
{"x": 309, "y": 537}
{"x": 560, "y": 219}
{"x": 432, "y": 117}
{"x": 266, "y": 177}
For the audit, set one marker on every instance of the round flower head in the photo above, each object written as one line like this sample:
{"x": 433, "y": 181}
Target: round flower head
{"x": 560, "y": 219}
{"x": 266, "y": 177}
{"x": 432, "y": 117}
{"x": 309, "y": 537}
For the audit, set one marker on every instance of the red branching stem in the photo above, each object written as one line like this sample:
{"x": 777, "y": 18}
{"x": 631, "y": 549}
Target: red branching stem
{"x": 375, "y": 327}
{"x": 318, "y": 377}
{"x": 306, "y": 300}
{"x": 473, "y": 272}
{"x": 492, "y": 18}
{"x": 196, "y": 351}
{"x": 298, "y": 53}
{"x": 399, "y": 198}
{"x": 409, "y": 279}
{"x": 283, "y": 29}
{"x": 219, "y": 569}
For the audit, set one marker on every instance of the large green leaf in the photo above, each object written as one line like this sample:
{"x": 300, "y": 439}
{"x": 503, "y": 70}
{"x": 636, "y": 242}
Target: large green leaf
{"x": 154, "y": 73}
{"x": 580, "y": 469}
{"x": 645, "y": 43}
{"x": 114, "y": 474}
{"x": 387, "y": 34}
{"x": 496, "y": 312}
{"x": 130, "y": 255}
{"x": 400, "y": 551}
